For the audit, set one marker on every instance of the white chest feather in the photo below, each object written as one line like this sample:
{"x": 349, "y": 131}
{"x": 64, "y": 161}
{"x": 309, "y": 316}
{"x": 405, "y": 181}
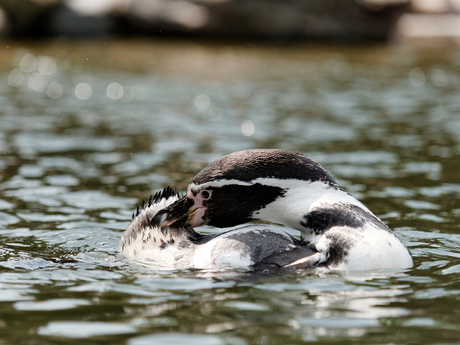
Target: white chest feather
{"x": 346, "y": 233}
{"x": 364, "y": 248}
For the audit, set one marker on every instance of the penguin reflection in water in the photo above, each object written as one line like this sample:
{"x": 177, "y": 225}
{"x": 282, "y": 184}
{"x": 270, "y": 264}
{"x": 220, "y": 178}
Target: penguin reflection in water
{"x": 284, "y": 187}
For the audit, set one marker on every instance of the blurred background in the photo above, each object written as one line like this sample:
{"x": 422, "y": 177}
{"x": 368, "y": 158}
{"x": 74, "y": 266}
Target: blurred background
{"x": 348, "y": 20}
{"x": 103, "y": 103}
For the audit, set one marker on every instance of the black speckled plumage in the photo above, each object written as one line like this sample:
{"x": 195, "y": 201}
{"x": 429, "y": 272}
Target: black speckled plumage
{"x": 259, "y": 245}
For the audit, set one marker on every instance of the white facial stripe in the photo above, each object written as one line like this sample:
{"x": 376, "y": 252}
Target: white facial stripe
{"x": 218, "y": 183}
{"x": 266, "y": 181}
{"x": 306, "y": 192}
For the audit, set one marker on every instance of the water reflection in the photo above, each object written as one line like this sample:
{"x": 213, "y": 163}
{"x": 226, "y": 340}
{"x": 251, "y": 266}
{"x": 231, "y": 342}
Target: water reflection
{"x": 83, "y": 143}
{"x": 128, "y": 94}
{"x": 343, "y": 71}
{"x": 177, "y": 338}
{"x": 28, "y": 63}
{"x": 83, "y": 91}
{"x": 35, "y": 74}
{"x": 37, "y": 82}
{"x": 216, "y": 113}
{"x": 79, "y": 329}
{"x": 202, "y": 102}
{"x": 15, "y": 78}
{"x": 417, "y": 77}
{"x": 114, "y": 91}
{"x": 47, "y": 66}
{"x": 247, "y": 128}
{"x": 56, "y": 304}
{"x": 439, "y": 78}
{"x": 54, "y": 90}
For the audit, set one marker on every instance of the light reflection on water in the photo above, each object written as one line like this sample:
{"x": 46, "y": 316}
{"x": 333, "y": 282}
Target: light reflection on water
{"x": 83, "y": 142}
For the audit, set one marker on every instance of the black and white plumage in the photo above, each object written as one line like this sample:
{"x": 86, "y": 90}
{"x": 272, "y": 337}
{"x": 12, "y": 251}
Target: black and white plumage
{"x": 288, "y": 188}
{"x": 252, "y": 246}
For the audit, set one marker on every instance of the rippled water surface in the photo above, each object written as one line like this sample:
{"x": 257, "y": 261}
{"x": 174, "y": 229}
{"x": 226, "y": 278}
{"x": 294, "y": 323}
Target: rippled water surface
{"x": 88, "y": 130}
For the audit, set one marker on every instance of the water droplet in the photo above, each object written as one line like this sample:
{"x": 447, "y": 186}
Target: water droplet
{"x": 54, "y": 90}
{"x": 247, "y": 128}
{"x": 439, "y": 78}
{"x": 83, "y": 91}
{"x": 114, "y": 91}
{"x": 202, "y": 102}
{"x": 28, "y": 63}
{"x": 342, "y": 71}
{"x": 15, "y": 78}
{"x": 417, "y": 77}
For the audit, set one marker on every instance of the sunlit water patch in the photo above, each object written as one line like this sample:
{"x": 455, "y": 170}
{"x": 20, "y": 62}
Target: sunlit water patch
{"x": 88, "y": 130}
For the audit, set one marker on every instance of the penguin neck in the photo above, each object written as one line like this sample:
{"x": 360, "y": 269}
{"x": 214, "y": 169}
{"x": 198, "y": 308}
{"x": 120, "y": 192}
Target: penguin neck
{"x": 300, "y": 199}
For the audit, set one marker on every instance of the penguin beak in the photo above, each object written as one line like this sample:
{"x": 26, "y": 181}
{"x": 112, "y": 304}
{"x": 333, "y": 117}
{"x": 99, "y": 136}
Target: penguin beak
{"x": 182, "y": 214}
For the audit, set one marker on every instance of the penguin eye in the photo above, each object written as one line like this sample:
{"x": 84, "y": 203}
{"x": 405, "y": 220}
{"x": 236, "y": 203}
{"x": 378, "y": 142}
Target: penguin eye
{"x": 206, "y": 194}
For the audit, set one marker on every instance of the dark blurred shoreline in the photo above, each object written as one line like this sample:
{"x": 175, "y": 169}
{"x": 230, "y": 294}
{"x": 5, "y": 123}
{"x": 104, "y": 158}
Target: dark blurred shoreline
{"x": 423, "y": 23}
{"x": 329, "y": 20}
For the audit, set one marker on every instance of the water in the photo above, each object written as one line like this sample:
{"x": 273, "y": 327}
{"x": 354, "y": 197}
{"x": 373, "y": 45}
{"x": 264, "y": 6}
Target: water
{"x": 89, "y": 129}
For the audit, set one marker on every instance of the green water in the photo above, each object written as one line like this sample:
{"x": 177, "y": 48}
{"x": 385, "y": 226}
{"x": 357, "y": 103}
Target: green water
{"x": 89, "y": 129}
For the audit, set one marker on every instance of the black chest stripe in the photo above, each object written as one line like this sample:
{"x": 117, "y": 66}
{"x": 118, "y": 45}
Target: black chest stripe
{"x": 352, "y": 216}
